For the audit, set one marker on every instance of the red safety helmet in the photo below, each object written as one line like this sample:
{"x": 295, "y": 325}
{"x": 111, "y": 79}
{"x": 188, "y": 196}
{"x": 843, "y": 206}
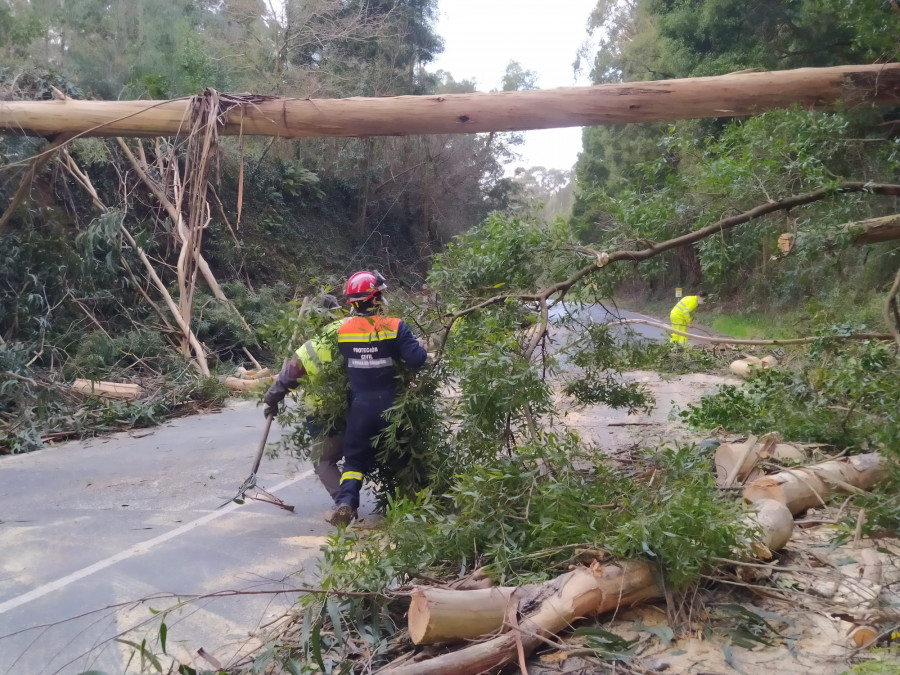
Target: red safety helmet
{"x": 364, "y": 286}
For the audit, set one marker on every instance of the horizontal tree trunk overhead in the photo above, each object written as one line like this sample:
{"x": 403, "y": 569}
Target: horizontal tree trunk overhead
{"x": 731, "y": 95}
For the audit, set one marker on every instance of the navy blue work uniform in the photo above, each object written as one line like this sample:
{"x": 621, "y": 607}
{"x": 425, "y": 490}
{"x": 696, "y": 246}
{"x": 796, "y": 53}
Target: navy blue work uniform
{"x": 371, "y": 346}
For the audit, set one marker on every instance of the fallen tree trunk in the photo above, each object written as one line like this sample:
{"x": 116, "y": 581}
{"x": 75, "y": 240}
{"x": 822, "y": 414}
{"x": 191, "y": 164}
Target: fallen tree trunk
{"x": 442, "y": 615}
{"x": 731, "y": 95}
{"x": 118, "y": 390}
{"x": 546, "y": 610}
{"x": 809, "y": 486}
{"x": 238, "y": 384}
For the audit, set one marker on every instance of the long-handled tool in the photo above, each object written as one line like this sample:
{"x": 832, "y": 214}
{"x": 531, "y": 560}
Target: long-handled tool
{"x": 250, "y": 483}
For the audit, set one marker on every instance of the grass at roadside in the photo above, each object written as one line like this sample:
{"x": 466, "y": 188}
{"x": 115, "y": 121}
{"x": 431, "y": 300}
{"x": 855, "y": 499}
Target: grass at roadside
{"x": 735, "y": 319}
{"x": 752, "y": 326}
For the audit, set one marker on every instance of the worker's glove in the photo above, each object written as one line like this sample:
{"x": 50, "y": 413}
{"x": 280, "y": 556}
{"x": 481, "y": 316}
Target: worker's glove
{"x": 270, "y": 410}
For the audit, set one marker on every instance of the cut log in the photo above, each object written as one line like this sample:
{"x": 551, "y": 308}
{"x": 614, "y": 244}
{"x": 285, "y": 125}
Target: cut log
{"x": 786, "y": 242}
{"x": 728, "y": 471}
{"x": 809, "y": 486}
{"x": 775, "y": 526}
{"x": 244, "y": 374}
{"x": 867, "y": 589}
{"x": 545, "y": 610}
{"x": 117, "y": 390}
{"x": 746, "y": 366}
{"x": 443, "y": 615}
{"x": 862, "y": 636}
{"x": 737, "y": 94}
{"x": 247, "y": 385}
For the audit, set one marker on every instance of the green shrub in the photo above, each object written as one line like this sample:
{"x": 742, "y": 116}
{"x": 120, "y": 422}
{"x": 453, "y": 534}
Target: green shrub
{"x": 844, "y": 394}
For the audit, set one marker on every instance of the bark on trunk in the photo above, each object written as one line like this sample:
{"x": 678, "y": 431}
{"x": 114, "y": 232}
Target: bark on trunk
{"x": 875, "y": 230}
{"x": 699, "y": 97}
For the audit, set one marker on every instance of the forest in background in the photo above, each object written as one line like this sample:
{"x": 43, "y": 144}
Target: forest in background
{"x": 290, "y": 217}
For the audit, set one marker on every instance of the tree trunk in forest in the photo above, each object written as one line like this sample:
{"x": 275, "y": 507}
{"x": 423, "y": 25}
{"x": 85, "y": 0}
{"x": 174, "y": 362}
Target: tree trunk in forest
{"x": 697, "y": 97}
{"x": 546, "y": 610}
{"x": 874, "y": 230}
{"x": 809, "y": 486}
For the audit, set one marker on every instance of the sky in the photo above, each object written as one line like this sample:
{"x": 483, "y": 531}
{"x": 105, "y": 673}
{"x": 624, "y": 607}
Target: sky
{"x": 482, "y": 36}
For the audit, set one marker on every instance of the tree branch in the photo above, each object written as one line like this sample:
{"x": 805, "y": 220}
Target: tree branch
{"x": 604, "y": 259}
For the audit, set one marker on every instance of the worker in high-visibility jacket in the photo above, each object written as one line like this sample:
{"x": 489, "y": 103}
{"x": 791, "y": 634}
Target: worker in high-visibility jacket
{"x": 327, "y": 445}
{"x": 372, "y": 346}
{"x": 683, "y": 313}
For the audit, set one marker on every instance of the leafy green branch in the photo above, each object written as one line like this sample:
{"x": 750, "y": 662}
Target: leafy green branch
{"x": 558, "y": 290}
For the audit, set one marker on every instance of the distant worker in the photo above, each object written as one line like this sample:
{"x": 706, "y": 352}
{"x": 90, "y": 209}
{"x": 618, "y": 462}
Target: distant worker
{"x": 327, "y": 444}
{"x": 372, "y": 345}
{"x": 683, "y": 313}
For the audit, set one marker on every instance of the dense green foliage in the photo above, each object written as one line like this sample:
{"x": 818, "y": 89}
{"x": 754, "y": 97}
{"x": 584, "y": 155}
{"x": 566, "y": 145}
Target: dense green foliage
{"x": 654, "y": 182}
{"x": 554, "y": 498}
{"x": 283, "y": 212}
{"x": 843, "y": 396}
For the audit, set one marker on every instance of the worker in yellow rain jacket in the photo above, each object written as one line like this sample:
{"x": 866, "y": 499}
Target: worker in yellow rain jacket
{"x": 683, "y": 313}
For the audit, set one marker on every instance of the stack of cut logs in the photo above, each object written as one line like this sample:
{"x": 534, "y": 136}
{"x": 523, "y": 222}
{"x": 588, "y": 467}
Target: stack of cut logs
{"x": 509, "y": 623}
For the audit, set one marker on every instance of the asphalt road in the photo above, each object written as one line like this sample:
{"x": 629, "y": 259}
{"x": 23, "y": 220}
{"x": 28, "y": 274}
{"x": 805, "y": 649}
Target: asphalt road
{"x": 88, "y": 529}
{"x": 610, "y": 314}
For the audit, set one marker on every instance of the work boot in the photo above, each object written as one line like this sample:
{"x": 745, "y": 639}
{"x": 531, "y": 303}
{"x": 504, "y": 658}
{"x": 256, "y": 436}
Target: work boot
{"x": 343, "y": 514}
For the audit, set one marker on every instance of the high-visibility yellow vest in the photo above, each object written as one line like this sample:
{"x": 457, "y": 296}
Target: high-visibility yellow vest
{"x": 316, "y": 352}
{"x": 686, "y": 307}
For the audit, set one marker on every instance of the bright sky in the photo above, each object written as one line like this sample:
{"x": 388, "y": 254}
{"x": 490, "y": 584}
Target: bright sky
{"x": 482, "y": 36}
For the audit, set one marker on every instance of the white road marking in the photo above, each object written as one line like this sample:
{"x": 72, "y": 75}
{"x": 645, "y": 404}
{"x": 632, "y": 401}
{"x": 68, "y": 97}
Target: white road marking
{"x": 137, "y": 549}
